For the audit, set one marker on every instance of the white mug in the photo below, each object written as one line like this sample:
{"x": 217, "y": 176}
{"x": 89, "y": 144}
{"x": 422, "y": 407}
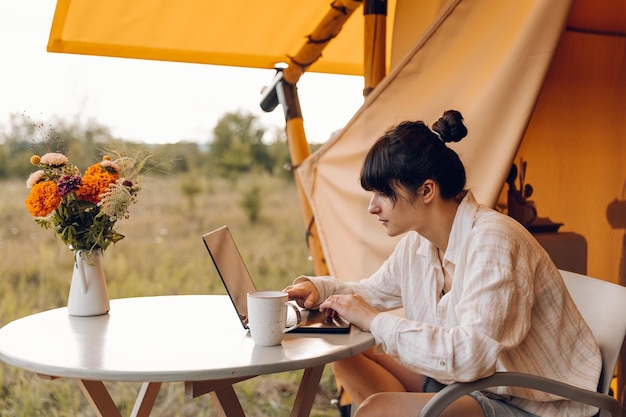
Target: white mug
{"x": 267, "y": 316}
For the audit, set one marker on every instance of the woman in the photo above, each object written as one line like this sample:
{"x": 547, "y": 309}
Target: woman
{"x": 479, "y": 293}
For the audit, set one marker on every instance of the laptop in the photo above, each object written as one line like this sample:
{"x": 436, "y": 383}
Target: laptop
{"x": 238, "y": 283}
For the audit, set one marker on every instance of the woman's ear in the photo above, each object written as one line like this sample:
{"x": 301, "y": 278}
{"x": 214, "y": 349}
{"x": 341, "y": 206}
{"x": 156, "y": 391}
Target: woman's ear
{"x": 429, "y": 189}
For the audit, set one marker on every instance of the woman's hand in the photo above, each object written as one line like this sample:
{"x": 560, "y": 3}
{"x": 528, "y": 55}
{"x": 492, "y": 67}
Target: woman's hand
{"x": 304, "y": 293}
{"x": 351, "y": 308}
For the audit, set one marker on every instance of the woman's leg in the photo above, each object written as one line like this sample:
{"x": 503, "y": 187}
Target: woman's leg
{"x": 370, "y": 373}
{"x": 403, "y": 404}
{"x": 383, "y": 387}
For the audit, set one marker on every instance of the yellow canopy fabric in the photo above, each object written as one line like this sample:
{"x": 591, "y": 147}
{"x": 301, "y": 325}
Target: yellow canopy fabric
{"x": 233, "y": 33}
{"x": 257, "y": 34}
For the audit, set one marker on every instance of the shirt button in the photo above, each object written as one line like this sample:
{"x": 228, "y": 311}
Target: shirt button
{"x": 442, "y": 364}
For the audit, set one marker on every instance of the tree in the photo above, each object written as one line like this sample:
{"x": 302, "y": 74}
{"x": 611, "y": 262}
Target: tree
{"x": 237, "y": 145}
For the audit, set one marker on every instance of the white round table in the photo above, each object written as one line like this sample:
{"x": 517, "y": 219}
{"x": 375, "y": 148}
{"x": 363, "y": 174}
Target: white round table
{"x": 193, "y": 338}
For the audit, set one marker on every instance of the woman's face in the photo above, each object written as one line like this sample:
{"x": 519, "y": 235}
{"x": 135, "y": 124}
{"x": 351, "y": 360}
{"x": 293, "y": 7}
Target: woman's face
{"x": 399, "y": 217}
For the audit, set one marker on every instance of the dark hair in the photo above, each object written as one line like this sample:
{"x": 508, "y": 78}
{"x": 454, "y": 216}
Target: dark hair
{"x": 410, "y": 153}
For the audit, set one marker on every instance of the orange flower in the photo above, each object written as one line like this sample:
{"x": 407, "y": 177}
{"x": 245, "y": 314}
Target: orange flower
{"x": 95, "y": 182}
{"x": 43, "y": 199}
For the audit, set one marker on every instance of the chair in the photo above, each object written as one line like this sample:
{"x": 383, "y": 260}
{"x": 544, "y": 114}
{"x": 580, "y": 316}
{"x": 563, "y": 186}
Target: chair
{"x": 603, "y": 305}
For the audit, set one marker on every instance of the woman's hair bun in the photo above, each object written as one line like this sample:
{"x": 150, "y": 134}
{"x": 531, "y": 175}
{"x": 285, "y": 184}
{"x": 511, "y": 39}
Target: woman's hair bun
{"x": 450, "y": 126}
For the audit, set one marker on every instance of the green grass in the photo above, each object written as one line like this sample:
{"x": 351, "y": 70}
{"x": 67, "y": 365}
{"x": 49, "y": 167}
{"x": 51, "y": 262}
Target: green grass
{"x": 161, "y": 254}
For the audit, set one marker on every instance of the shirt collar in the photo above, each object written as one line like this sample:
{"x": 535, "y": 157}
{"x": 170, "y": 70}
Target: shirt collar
{"x": 463, "y": 222}
{"x": 461, "y": 226}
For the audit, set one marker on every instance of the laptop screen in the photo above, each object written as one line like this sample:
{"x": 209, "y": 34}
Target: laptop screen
{"x": 238, "y": 283}
{"x": 231, "y": 269}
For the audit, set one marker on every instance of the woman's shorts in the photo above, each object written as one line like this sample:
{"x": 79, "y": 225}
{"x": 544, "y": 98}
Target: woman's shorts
{"x": 492, "y": 407}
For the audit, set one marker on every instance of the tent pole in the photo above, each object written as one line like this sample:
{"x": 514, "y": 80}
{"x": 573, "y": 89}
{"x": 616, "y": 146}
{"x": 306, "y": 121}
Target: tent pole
{"x": 375, "y": 38}
{"x": 299, "y": 150}
{"x": 326, "y": 30}
{"x": 296, "y": 138}
{"x": 283, "y": 91}
{"x": 286, "y": 94}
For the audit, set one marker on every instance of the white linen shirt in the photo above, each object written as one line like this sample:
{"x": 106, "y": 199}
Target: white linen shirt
{"x": 508, "y": 310}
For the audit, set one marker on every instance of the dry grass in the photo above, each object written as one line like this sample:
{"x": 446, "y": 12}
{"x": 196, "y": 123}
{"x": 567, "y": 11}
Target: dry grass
{"x": 162, "y": 254}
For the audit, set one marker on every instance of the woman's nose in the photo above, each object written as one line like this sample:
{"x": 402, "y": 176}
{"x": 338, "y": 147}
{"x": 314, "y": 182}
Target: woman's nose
{"x": 373, "y": 206}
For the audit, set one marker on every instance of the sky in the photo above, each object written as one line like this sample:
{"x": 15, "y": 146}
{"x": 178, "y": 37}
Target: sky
{"x": 147, "y": 101}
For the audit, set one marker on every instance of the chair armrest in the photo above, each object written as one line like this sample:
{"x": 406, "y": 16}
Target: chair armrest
{"x": 513, "y": 379}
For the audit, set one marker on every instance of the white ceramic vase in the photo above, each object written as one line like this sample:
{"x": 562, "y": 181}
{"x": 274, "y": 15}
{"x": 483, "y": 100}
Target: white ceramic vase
{"x": 88, "y": 290}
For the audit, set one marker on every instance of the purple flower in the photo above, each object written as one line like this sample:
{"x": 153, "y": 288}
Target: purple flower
{"x": 68, "y": 184}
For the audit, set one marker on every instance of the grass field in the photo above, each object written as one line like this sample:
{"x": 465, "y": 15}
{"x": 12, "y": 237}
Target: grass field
{"x": 161, "y": 254}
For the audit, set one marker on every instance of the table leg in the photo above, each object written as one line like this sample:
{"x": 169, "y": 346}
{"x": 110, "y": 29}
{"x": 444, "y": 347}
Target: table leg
{"x": 306, "y": 392}
{"x": 99, "y": 398}
{"x": 226, "y": 402}
{"x": 101, "y": 401}
{"x": 146, "y": 398}
{"x": 222, "y": 394}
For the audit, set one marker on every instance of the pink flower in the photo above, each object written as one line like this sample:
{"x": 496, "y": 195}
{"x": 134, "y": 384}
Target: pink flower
{"x": 54, "y": 159}
{"x": 110, "y": 166}
{"x": 34, "y": 178}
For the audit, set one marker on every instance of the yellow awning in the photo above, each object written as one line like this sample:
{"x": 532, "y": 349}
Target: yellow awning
{"x": 233, "y": 33}
{"x": 253, "y": 34}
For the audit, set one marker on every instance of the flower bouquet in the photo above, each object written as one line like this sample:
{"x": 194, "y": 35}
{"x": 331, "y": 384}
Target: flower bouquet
{"x": 82, "y": 210}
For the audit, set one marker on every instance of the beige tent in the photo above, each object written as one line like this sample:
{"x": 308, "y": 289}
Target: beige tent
{"x": 540, "y": 79}
{"x": 455, "y": 63}
{"x": 518, "y": 77}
